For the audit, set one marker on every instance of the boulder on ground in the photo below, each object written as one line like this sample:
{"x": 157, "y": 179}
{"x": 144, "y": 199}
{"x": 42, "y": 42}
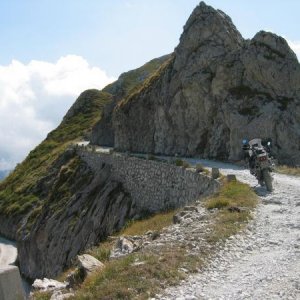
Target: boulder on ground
{"x": 48, "y": 285}
{"x": 215, "y": 173}
{"x": 89, "y": 264}
{"x": 231, "y": 177}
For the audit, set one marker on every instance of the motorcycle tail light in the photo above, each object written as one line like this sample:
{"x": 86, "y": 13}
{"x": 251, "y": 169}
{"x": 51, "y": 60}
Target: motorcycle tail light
{"x": 262, "y": 158}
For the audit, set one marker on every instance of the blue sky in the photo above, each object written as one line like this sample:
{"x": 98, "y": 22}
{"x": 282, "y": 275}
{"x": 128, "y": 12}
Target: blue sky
{"x": 118, "y": 35}
{"x": 51, "y": 50}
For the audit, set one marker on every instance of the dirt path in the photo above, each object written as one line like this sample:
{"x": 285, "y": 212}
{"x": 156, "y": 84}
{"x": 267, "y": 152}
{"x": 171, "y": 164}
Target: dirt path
{"x": 262, "y": 263}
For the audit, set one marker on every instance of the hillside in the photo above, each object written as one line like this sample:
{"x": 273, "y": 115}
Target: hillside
{"x": 51, "y": 175}
{"x": 218, "y": 89}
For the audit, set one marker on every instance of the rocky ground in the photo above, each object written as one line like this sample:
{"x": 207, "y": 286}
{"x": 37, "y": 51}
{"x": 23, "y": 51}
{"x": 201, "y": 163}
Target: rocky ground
{"x": 261, "y": 263}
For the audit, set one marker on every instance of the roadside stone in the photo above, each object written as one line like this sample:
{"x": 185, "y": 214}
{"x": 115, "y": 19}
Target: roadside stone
{"x": 124, "y": 246}
{"x": 231, "y": 177}
{"x": 89, "y": 264}
{"x": 215, "y": 173}
{"x": 190, "y": 208}
{"x": 48, "y": 285}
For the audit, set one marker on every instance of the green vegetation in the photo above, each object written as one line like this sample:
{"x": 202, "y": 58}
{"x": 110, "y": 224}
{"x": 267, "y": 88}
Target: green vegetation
{"x": 182, "y": 163}
{"x": 127, "y": 279}
{"x": 134, "y": 79}
{"x": 199, "y": 168}
{"x": 147, "y": 83}
{"x": 233, "y": 194}
{"x": 42, "y": 296}
{"x": 18, "y": 192}
{"x": 155, "y": 223}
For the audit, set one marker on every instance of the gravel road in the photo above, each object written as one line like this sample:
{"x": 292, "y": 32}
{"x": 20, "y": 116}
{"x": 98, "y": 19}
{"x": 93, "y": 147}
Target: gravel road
{"x": 8, "y": 252}
{"x": 264, "y": 261}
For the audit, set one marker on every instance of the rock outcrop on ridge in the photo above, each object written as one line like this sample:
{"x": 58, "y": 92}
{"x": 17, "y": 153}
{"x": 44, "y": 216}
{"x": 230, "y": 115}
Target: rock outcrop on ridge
{"x": 103, "y": 133}
{"x": 215, "y": 91}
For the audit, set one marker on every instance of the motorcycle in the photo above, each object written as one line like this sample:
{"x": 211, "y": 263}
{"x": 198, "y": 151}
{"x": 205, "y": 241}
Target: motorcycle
{"x": 260, "y": 161}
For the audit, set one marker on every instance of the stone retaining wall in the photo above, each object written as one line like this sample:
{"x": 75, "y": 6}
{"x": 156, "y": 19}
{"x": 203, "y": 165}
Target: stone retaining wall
{"x": 11, "y": 284}
{"x": 153, "y": 185}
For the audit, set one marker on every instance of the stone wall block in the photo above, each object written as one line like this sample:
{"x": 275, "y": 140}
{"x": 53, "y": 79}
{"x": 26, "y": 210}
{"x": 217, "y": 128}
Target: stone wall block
{"x": 154, "y": 186}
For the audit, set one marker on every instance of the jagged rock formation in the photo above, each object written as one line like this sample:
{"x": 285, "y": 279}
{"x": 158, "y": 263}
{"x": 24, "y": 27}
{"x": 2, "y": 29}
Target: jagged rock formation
{"x": 217, "y": 90}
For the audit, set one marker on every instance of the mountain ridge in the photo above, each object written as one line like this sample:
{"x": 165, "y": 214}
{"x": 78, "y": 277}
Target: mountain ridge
{"x": 219, "y": 90}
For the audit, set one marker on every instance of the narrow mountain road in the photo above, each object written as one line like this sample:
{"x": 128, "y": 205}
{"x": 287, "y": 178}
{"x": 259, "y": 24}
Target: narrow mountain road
{"x": 264, "y": 261}
{"x": 8, "y": 253}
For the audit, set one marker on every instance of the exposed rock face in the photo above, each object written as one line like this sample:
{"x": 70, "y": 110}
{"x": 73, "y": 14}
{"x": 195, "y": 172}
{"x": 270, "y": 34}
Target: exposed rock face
{"x": 95, "y": 207}
{"x": 217, "y": 90}
{"x": 103, "y": 133}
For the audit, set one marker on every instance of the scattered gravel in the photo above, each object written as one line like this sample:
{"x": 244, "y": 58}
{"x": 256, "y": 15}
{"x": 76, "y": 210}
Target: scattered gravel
{"x": 264, "y": 261}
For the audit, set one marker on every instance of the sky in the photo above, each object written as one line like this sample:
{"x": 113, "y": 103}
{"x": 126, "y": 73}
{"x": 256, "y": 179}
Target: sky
{"x": 52, "y": 50}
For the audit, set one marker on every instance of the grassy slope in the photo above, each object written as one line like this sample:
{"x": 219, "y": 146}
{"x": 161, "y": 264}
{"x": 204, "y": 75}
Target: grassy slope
{"x": 18, "y": 193}
{"x": 133, "y": 80}
{"x": 123, "y": 279}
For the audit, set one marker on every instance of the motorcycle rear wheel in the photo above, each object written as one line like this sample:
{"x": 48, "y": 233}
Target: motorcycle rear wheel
{"x": 267, "y": 179}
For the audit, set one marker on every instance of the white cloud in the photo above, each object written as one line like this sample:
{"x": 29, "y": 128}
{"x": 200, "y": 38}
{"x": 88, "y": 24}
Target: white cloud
{"x": 295, "y": 45}
{"x": 34, "y": 98}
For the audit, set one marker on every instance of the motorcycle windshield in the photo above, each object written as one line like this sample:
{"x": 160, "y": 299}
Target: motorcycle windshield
{"x": 256, "y": 143}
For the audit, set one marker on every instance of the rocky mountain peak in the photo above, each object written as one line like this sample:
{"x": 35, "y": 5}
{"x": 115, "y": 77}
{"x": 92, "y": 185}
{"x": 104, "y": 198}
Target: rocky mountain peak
{"x": 274, "y": 43}
{"x": 218, "y": 90}
{"x": 207, "y": 28}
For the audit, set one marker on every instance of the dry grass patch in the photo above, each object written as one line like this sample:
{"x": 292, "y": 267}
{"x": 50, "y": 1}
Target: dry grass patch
{"x": 138, "y": 276}
{"x": 227, "y": 223}
{"x": 41, "y": 296}
{"x": 295, "y": 171}
{"x": 102, "y": 252}
{"x": 154, "y": 223}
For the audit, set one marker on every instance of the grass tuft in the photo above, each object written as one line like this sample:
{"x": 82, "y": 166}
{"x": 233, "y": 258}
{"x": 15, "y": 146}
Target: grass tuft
{"x": 233, "y": 194}
{"x": 283, "y": 169}
{"x": 154, "y": 223}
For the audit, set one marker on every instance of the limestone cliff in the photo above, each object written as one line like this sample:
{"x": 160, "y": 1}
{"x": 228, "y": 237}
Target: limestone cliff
{"x": 216, "y": 90}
